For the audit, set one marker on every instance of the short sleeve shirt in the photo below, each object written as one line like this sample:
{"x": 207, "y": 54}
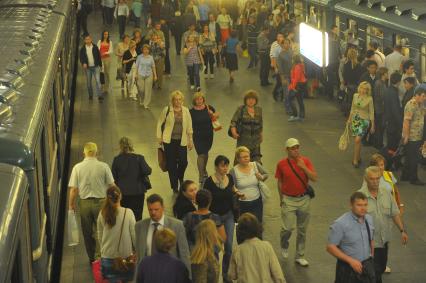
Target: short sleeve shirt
{"x": 415, "y": 114}
{"x": 91, "y": 177}
{"x": 382, "y": 209}
{"x": 145, "y": 65}
{"x": 290, "y": 184}
{"x": 275, "y": 50}
{"x": 350, "y": 234}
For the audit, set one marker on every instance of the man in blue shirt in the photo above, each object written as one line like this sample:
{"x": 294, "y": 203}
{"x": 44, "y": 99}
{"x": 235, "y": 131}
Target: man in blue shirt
{"x": 350, "y": 240}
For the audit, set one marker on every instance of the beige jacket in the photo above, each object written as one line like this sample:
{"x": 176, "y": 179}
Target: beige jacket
{"x": 170, "y": 121}
{"x": 255, "y": 261}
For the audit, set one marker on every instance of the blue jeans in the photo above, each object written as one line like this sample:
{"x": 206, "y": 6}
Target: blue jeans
{"x": 93, "y": 72}
{"x": 229, "y": 224}
{"x": 255, "y": 207}
{"x": 194, "y": 74}
{"x": 252, "y": 51}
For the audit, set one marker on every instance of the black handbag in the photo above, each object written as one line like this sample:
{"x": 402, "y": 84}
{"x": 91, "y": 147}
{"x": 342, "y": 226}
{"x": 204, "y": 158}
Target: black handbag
{"x": 145, "y": 178}
{"x": 308, "y": 188}
{"x": 239, "y": 123}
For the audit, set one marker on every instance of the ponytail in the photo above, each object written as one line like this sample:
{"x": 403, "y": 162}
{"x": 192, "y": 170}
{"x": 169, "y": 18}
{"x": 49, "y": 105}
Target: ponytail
{"x": 109, "y": 208}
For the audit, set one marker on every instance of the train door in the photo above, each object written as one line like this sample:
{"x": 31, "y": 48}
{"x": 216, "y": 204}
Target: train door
{"x": 423, "y": 62}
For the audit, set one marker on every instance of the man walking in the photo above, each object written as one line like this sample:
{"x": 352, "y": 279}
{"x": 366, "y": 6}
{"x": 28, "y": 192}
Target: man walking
{"x": 412, "y": 134}
{"x": 263, "y": 50}
{"x": 293, "y": 174}
{"x": 90, "y": 59}
{"x": 146, "y": 229}
{"x": 284, "y": 64}
{"x": 89, "y": 180}
{"x": 383, "y": 208}
{"x": 350, "y": 240}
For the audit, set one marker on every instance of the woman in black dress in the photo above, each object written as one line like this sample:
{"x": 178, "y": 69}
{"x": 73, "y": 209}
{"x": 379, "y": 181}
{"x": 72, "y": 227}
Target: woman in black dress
{"x": 201, "y": 115}
{"x": 185, "y": 201}
{"x": 221, "y": 186}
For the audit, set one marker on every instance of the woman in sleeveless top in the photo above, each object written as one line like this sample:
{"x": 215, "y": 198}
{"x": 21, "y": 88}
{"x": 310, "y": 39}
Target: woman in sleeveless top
{"x": 106, "y": 50}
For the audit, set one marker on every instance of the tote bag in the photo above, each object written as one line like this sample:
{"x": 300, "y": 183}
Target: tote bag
{"x": 344, "y": 139}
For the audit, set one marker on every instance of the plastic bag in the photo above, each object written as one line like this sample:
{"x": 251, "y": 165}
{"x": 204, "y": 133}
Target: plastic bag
{"x": 97, "y": 273}
{"x": 73, "y": 233}
{"x": 344, "y": 139}
{"x": 245, "y": 53}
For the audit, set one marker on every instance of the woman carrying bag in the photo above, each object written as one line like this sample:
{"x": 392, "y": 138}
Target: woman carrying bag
{"x": 116, "y": 234}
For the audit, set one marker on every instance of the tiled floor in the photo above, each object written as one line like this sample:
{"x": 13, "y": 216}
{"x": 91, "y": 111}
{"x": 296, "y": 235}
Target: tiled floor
{"x": 105, "y": 123}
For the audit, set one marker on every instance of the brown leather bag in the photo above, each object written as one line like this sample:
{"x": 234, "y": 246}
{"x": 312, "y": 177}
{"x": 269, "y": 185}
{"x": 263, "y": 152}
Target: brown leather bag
{"x": 124, "y": 264}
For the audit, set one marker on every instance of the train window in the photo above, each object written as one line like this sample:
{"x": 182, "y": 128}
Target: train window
{"x": 39, "y": 182}
{"x": 374, "y": 33}
{"x": 403, "y": 41}
{"x": 51, "y": 132}
{"x": 353, "y": 26}
{"x": 423, "y": 62}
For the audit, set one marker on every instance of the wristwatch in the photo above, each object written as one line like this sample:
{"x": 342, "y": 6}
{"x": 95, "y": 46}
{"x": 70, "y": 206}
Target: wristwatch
{"x": 402, "y": 231}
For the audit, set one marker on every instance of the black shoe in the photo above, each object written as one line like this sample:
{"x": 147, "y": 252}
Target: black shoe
{"x": 90, "y": 97}
{"x": 101, "y": 98}
{"x": 417, "y": 183}
{"x": 355, "y": 165}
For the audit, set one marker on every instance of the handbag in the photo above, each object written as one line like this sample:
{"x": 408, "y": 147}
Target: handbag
{"x": 145, "y": 178}
{"x": 215, "y": 121}
{"x": 265, "y": 192}
{"x": 102, "y": 78}
{"x": 122, "y": 264}
{"x": 344, "y": 139}
{"x": 97, "y": 273}
{"x": 308, "y": 188}
{"x": 368, "y": 268}
{"x": 238, "y": 125}
{"x": 161, "y": 155}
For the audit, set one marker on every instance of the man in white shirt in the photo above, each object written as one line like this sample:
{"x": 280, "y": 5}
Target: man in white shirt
{"x": 394, "y": 60}
{"x": 146, "y": 229}
{"x": 90, "y": 59}
{"x": 379, "y": 57}
{"x": 89, "y": 180}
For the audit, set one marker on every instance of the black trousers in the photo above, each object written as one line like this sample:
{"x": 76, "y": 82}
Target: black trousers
{"x": 265, "y": 66}
{"x": 209, "y": 61}
{"x": 176, "y": 159}
{"x": 82, "y": 20}
{"x": 393, "y": 138}
{"x": 332, "y": 79}
{"x": 135, "y": 203}
{"x": 276, "y": 92}
{"x": 412, "y": 158}
{"x": 121, "y": 25}
{"x": 345, "y": 273}
{"x": 379, "y": 130}
{"x": 109, "y": 16}
{"x": 167, "y": 68}
{"x": 380, "y": 261}
{"x": 178, "y": 43}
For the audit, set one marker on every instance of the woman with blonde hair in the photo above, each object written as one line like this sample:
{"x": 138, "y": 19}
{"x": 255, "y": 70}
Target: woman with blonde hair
{"x": 204, "y": 261}
{"x": 116, "y": 234}
{"x": 352, "y": 72}
{"x": 246, "y": 176}
{"x": 174, "y": 132}
{"x": 202, "y": 114}
{"x": 131, "y": 173}
{"x": 247, "y": 125}
{"x": 361, "y": 118}
{"x": 146, "y": 74}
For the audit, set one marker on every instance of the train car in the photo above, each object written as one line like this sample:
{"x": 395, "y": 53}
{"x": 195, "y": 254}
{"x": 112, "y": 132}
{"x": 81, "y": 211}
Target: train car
{"x": 36, "y": 69}
{"x": 15, "y": 236}
{"x": 389, "y": 23}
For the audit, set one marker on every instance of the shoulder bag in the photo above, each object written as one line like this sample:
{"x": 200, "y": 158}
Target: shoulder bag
{"x": 122, "y": 264}
{"x": 265, "y": 192}
{"x": 215, "y": 122}
{"x": 162, "y": 162}
{"x": 368, "y": 269}
{"x": 144, "y": 178}
{"x": 239, "y": 123}
{"x": 308, "y": 188}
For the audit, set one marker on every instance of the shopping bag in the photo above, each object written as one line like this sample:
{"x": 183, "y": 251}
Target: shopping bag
{"x": 97, "y": 273}
{"x": 344, "y": 139}
{"x": 73, "y": 233}
{"x": 245, "y": 53}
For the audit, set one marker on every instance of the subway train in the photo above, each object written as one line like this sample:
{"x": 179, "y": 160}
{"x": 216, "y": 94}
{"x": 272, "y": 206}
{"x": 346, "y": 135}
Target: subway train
{"x": 389, "y": 22}
{"x": 37, "y": 66}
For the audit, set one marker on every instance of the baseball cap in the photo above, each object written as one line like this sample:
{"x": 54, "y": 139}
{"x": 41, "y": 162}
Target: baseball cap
{"x": 291, "y": 142}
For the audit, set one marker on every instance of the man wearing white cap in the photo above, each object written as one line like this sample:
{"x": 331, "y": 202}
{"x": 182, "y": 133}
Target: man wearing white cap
{"x": 293, "y": 174}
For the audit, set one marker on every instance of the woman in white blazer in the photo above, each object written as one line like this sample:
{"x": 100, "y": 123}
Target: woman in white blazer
{"x": 174, "y": 132}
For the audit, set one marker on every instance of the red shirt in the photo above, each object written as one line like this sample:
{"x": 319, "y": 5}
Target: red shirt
{"x": 290, "y": 184}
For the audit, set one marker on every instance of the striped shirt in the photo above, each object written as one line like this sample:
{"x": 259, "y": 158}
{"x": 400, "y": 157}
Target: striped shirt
{"x": 252, "y": 33}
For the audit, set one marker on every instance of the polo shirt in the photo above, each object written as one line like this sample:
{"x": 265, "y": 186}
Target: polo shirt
{"x": 382, "y": 209}
{"x": 91, "y": 177}
{"x": 290, "y": 184}
{"x": 275, "y": 50}
{"x": 350, "y": 234}
{"x": 393, "y": 61}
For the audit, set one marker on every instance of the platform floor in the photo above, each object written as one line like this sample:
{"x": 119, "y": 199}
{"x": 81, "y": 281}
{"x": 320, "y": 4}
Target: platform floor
{"x": 104, "y": 123}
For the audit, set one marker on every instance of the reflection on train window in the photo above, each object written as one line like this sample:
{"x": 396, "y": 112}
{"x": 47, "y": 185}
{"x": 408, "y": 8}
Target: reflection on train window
{"x": 353, "y": 26}
{"x": 374, "y": 33}
{"x": 404, "y": 42}
{"x": 423, "y": 62}
{"x": 298, "y": 6}
{"x": 17, "y": 272}
{"x": 39, "y": 182}
{"x": 51, "y": 134}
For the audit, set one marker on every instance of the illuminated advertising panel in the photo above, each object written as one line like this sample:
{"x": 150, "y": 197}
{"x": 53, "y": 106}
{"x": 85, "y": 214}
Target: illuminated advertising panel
{"x": 314, "y": 44}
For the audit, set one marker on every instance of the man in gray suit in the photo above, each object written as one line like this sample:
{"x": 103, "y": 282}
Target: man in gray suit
{"x": 146, "y": 229}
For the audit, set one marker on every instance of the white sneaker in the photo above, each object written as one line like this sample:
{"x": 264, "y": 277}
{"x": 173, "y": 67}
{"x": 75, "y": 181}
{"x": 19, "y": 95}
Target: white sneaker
{"x": 302, "y": 262}
{"x": 192, "y": 87}
{"x": 388, "y": 269}
{"x": 284, "y": 253}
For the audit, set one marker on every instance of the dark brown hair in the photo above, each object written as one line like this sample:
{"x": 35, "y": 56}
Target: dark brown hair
{"x": 248, "y": 227}
{"x": 109, "y": 208}
{"x": 356, "y": 196}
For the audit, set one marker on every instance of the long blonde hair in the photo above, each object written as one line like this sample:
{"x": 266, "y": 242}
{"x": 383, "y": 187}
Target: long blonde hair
{"x": 207, "y": 238}
{"x": 353, "y": 57}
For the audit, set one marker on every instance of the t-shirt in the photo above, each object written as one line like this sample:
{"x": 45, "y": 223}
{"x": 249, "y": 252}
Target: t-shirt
{"x": 291, "y": 185}
{"x": 221, "y": 198}
{"x": 284, "y": 62}
{"x": 415, "y": 113}
{"x": 231, "y": 45}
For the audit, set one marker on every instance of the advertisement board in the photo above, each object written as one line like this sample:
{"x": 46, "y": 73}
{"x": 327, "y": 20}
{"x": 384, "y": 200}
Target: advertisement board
{"x": 314, "y": 44}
